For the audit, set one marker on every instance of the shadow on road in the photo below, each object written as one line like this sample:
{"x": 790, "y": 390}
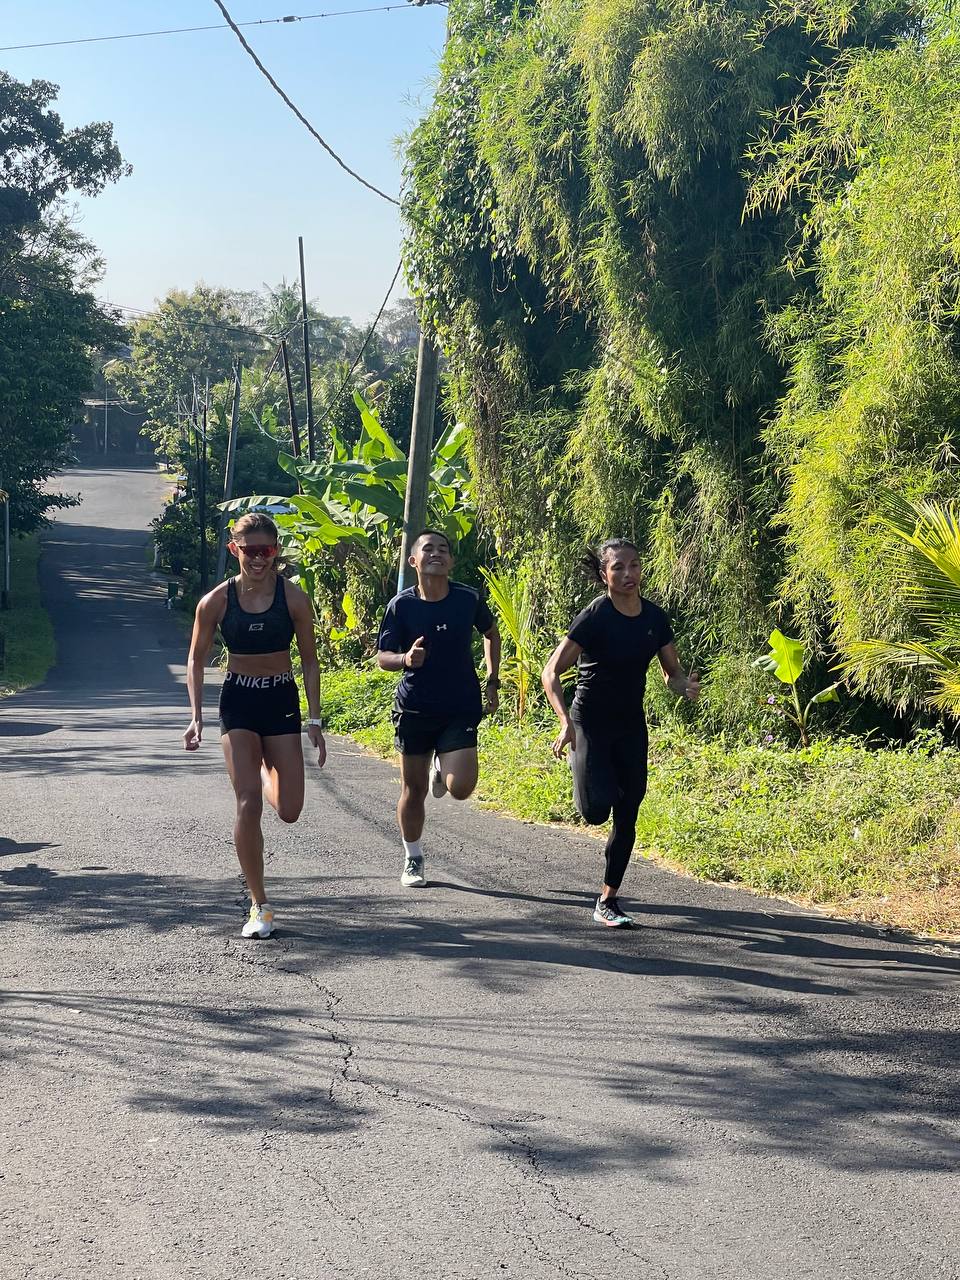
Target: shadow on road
{"x": 794, "y": 1074}
{"x": 8, "y": 847}
{"x": 223, "y": 1066}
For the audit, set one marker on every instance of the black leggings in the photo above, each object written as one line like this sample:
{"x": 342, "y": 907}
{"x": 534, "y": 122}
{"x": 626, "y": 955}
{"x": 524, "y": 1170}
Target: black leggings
{"x": 610, "y": 776}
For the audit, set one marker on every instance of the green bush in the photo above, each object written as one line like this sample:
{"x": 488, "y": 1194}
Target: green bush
{"x": 831, "y": 823}
{"x": 30, "y": 649}
{"x": 356, "y": 698}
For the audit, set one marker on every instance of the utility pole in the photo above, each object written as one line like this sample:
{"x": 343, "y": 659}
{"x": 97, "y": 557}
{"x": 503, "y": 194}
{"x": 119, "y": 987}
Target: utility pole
{"x": 202, "y": 493}
{"x": 421, "y": 434}
{"x": 229, "y": 469}
{"x": 421, "y": 449}
{"x": 311, "y": 443}
{"x": 5, "y": 590}
{"x": 294, "y": 429}
{"x": 106, "y": 407}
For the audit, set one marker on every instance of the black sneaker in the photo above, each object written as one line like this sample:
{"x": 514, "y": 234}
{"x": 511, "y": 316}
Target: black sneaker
{"x": 608, "y": 912}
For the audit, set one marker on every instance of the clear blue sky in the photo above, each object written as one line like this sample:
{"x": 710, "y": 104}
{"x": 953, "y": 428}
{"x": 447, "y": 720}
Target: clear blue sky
{"x": 224, "y": 176}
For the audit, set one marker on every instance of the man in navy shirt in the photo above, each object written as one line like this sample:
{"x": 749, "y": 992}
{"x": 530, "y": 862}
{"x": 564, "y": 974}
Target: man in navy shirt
{"x": 427, "y": 633}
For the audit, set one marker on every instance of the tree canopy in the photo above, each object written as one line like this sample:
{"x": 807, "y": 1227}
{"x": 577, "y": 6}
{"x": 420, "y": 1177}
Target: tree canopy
{"x": 49, "y": 320}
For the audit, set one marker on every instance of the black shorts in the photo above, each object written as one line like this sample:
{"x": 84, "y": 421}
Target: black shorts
{"x": 420, "y": 735}
{"x": 268, "y": 705}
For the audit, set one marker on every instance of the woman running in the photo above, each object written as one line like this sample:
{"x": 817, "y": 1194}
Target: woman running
{"x": 614, "y": 640}
{"x": 258, "y": 614}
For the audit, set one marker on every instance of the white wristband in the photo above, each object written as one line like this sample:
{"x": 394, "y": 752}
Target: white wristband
{"x": 318, "y": 723}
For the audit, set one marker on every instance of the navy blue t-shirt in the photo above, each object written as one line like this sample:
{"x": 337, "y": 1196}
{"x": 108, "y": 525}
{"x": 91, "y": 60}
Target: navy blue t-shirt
{"x": 617, "y": 650}
{"x": 447, "y": 684}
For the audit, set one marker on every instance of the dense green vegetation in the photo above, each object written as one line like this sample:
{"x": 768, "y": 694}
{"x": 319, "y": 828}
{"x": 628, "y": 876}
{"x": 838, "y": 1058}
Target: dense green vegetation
{"x": 29, "y": 648}
{"x": 692, "y": 291}
{"x": 49, "y": 319}
{"x": 187, "y": 352}
{"x": 678, "y": 301}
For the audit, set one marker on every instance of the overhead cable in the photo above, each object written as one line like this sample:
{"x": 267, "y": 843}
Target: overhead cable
{"x": 296, "y": 110}
{"x": 217, "y": 26}
{"x": 245, "y": 329}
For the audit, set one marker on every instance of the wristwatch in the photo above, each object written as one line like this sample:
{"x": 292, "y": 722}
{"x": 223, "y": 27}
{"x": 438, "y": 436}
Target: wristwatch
{"x": 314, "y": 720}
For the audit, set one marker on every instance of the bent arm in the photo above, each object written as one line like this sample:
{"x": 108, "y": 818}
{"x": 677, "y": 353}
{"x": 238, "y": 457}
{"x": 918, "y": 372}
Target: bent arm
{"x": 205, "y": 624}
{"x": 389, "y": 661}
{"x": 675, "y": 678}
{"x": 491, "y": 653}
{"x": 564, "y": 656}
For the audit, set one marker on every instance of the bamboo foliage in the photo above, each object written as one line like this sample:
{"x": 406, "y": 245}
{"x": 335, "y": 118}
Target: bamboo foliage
{"x": 692, "y": 292}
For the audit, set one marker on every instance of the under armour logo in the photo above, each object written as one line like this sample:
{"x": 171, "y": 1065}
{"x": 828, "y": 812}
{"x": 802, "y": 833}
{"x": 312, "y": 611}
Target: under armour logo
{"x": 255, "y": 626}
{"x": 441, "y": 626}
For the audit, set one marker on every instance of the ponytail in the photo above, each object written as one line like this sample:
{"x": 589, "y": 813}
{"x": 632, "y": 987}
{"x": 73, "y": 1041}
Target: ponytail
{"x": 593, "y": 561}
{"x": 591, "y": 564}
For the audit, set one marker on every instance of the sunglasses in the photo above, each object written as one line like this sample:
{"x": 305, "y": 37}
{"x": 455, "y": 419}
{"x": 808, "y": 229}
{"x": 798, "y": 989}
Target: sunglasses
{"x": 257, "y": 552}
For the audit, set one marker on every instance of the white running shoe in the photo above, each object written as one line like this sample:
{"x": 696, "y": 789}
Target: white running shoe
{"x": 260, "y": 921}
{"x": 414, "y": 875}
{"x": 437, "y": 784}
{"x": 608, "y": 912}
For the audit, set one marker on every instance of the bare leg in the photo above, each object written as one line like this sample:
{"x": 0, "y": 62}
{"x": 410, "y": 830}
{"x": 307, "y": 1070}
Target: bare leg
{"x": 460, "y": 770}
{"x": 282, "y": 775}
{"x": 243, "y": 753}
{"x": 414, "y": 779}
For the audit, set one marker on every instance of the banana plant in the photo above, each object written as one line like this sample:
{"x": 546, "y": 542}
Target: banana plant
{"x": 786, "y": 661}
{"x": 353, "y": 501}
{"x": 372, "y": 481}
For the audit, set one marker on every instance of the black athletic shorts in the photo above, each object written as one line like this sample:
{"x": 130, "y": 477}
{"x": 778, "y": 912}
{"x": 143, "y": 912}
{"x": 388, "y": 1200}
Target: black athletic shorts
{"x": 268, "y": 705}
{"x": 420, "y": 735}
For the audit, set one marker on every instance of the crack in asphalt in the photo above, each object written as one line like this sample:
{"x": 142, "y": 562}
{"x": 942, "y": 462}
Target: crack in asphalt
{"x": 528, "y": 1157}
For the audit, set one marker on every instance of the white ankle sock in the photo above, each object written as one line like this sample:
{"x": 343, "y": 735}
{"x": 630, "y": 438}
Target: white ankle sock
{"x": 411, "y": 849}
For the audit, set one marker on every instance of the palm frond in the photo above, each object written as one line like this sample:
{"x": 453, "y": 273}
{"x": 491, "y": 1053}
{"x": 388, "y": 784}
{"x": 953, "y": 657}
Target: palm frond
{"x": 948, "y": 696}
{"x": 870, "y": 655}
{"x": 930, "y": 575}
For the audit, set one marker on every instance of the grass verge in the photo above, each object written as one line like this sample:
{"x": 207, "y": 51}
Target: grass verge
{"x": 30, "y": 651}
{"x": 868, "y": 834}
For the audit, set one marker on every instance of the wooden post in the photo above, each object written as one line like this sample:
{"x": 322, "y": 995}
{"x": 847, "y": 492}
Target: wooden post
{"x": 421, "y": 450}
{"x": 202, "y": 494}
{"x": 106, "y": 408}
{"x": 311, "y": 443}
{"x": 5, "y": 589}
{"x": 229, "y": 469}
{"x": 294, "y": 429}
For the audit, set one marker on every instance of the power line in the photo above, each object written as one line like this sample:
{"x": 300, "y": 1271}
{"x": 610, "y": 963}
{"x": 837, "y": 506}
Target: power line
{"x": 366, "y": 342}
{"x": 246, "y": 330}
{"x": 217, "y": 26}
{"x": 296, "y": 110}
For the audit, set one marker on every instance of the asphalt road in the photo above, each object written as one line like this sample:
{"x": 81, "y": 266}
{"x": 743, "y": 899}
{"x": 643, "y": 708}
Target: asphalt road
{"x": 468, "y": 1081}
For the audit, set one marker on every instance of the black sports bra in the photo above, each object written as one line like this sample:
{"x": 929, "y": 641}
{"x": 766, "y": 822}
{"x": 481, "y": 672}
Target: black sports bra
{"x": 267, "y": 632}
